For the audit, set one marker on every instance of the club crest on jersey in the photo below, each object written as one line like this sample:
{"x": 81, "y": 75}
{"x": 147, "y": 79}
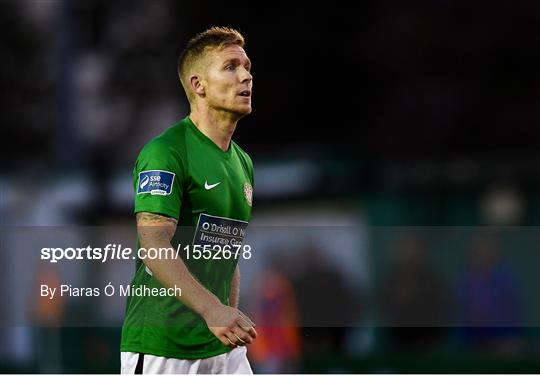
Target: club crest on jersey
{"x": 248, "y": 193}
{"x": 155, "y": 182}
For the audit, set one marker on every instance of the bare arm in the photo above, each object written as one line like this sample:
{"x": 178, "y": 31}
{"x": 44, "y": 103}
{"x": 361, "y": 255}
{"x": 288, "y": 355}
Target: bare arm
{"x": 234, "y": 296}
{"x": 228, "y": 324}
{"x": 157, "y": 231}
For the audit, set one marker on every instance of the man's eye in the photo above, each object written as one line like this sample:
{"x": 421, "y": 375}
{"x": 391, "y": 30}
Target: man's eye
{"x": 230, "y": 67}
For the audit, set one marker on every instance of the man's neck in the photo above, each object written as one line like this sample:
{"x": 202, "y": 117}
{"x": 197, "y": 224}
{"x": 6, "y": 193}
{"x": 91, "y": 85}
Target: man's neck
{"x": 217, "y": 126}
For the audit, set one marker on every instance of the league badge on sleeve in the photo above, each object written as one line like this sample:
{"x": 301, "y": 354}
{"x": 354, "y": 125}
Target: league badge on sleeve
{"x": 155, "y": 182}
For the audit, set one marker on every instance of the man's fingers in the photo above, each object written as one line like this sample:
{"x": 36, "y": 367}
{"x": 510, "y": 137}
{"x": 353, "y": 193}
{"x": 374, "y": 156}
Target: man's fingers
{"x": 224, "y": 335}
{"x": 243, "y": 315}
{"x": 233, "y": 339}
{"x": 227, "y": 342}
{"x": 246, "y": 320}
{"x": 242, "y": 335}
{"x": 252, "y": 332}
{"x": 224, "y": 340}
{"x": 240, "y": 332}
{"x": 246, "y": 327}
{"x": 240, "y": 341}
{"x": 243, "y": 323}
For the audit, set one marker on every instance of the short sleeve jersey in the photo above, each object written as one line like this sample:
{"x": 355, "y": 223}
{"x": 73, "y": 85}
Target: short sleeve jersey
{"x": 185, "y": 175}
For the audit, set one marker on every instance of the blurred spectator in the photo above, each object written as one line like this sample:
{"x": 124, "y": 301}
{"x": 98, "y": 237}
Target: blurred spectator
{"x": 47, "y": 311}
{"x": 502, "y": 205}
{"x": 489, "y": 300}
{"x": 273, "y": 307}
{"x": 327, "y": 304}
{"x": 47, "y": 315}
{"x": 413, "y": 298}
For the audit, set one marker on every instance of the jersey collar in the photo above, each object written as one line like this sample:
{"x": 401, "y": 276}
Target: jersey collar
{"x": 207, "y": 140}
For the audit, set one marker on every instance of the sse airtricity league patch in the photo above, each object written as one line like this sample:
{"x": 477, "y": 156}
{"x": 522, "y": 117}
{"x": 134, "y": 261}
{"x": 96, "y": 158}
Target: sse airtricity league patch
{"x": 155, "y": 182}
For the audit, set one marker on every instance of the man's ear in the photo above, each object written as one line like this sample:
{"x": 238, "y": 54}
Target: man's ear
{"x": 197, "y": 85}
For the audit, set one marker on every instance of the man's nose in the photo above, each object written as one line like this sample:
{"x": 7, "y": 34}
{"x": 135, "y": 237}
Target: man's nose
{"x": 246, "y": 76}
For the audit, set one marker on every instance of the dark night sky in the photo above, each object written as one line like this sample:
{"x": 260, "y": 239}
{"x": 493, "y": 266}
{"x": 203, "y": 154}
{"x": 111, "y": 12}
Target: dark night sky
{"x": 383, "y": 79}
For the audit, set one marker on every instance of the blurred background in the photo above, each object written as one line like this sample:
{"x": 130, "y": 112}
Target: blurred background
{"x": 396, "y": 177}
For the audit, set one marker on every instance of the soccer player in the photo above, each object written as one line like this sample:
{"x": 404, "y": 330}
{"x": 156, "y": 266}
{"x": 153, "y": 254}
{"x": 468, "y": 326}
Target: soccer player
{"x": 193, "y": 174}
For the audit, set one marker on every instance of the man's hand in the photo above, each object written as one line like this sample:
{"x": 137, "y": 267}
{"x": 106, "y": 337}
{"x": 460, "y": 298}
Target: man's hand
{"x": 230, "y": 325}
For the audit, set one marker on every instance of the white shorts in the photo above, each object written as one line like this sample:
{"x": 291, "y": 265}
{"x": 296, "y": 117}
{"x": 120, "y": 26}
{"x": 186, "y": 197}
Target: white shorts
{"x": 233, "y": 362}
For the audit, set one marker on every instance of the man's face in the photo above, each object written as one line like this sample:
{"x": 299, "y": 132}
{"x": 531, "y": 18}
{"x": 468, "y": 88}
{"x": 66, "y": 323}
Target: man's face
{"x": 228, "y": 82}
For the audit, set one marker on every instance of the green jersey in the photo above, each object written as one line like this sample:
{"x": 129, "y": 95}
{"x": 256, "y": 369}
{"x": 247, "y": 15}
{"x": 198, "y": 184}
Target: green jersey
{"x": 185, "y": 175}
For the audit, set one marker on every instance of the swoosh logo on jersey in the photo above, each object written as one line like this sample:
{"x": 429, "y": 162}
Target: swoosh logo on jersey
{"x": 210, "y": 186}
{"x": 145, "y": 181}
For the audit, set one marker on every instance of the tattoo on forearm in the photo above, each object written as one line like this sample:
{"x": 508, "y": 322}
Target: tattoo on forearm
{"x": 155, "y": 226}
{"x": 150, "y": 219}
